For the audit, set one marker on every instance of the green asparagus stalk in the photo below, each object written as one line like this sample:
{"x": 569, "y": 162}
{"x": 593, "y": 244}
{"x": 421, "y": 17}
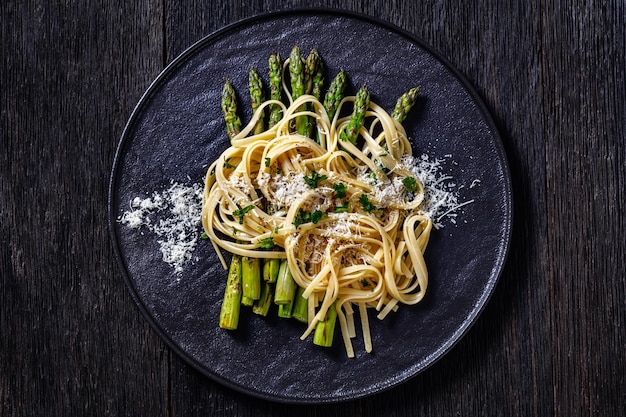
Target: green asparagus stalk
{"x": 324, "y": 330}
{"x": 296, "y": 73}
{"x": 233, "y": 296}
{"x": 229, "y": 108}
{"x": 300, "y": 306}
{"x": 313, "y": 73}
{"x": 298, "y": 85}
{"x": 262, "y": 305}
{"x": 276, "y": 87}
{"x": 285, "y": 285}
{"x": 270, "y": 270}
{"x": 257, "y": 97}
{"x": 271, "y": 266}
{"x": 285, "y": 311}
{"x": 404, "y": 104}
{"x": 318, "y": 84}
{"x": 231, "y": 303}
{"x": 229, "y": 314}
{"x": 361, "y": 104}
{"x": 335, "y": 94}
{"x": 251, "y": 267}
{"x": 250, "y": 279}
{"x": 315, "y": 83}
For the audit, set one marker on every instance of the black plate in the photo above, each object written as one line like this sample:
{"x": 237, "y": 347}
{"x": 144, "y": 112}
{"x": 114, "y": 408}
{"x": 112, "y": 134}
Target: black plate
{"x": 176, "y": 130}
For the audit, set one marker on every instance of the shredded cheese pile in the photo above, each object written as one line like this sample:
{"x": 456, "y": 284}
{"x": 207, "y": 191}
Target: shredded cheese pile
{"x": 173, "y": 216}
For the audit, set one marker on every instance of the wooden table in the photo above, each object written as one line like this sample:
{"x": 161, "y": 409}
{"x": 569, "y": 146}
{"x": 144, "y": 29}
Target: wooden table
{"x": 551, "y": 339}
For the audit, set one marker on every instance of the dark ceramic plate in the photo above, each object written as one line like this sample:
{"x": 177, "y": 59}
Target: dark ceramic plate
{"x": 177, "y": 129}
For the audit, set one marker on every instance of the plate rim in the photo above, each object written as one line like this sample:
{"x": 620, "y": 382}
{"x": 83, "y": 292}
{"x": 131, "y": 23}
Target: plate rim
{"x": 507, "y": 224}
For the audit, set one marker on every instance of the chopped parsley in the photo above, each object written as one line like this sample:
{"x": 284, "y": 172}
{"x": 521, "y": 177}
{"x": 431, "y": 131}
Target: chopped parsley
{"x": 314, "y": 179}
{"x": 340, "y": 190}
{"x": 227, "y": 163}
{"x": 410, "y": 184}
{"x": 303, "y": 216}
{"x": 366, "y": 203}
{"x": 316, "y": 216}
{"x": 242, "y": 212}
{"x": 268, "y": 161}
{"x": 267, "y": 243}
{"x": 204, "y": 236}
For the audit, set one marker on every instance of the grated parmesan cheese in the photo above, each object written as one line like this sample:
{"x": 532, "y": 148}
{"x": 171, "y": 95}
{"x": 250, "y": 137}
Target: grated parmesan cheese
{"x": 288, "y": 189}
{"x": 440, "y": 196}
{"x": 173, "y": 216}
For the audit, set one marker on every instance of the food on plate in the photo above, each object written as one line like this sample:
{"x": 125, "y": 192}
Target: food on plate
{"x": 318, "y": 201}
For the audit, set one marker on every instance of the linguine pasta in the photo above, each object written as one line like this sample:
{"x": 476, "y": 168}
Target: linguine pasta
{"x": 347, "y": 216}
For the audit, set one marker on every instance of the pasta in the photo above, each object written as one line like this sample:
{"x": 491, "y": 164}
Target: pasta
{"x": 346, "y": 216}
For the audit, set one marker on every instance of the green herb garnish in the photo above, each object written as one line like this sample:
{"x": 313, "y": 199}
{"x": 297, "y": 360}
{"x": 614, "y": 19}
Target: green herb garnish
{"x": 340, "y": 190}
{"x": 242, "y": 212}
{"x": 227, "y": 163}
{"x": 303, "y": 216}
{"x": 314, "y": 179}
{"x": 316, "y": 216}
{"x": 366, "y": 203}
{"x": 410, "y": 184}
{"x": 267, "y": 243}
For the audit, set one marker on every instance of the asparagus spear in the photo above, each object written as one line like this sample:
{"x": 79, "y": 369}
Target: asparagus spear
{"x": 285, "y": 285}
{"x": 276, "y": 87}
{"x": 361, "y": 104}
{"x": 314, "y": 75}
{"x": 298, "y": 85}
{"x": 285, "y": 310}
{"x": 271, "y": 266}
{"x": 229, "y": 314}
{"x": 229, "y": 108}
{"x": 262, "y": 305}
{"x": 300, "y": 307}
{"x": 404, "y": 104}
{"x": 257, "y": 97}
{"x": 335, "y": 94}
{"x": 318, "y": 84}
{"x": 324, "y": 330}
{"x": 231, "y": 303}
{"x": 270, "y": 270}
{"x": 296, "y": 73}
{"x": 251, "y": 267}
{"x": 250, "y": 279}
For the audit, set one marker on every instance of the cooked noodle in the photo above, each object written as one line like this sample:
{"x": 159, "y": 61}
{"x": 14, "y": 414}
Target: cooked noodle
{"x": 364, "y": 250}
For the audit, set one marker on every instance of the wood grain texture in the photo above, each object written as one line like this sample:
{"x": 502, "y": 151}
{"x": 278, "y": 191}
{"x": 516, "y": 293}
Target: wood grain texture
{"x": 550, "y": 341}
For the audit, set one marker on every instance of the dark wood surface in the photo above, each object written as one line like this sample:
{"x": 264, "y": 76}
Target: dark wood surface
{"x": 549, "y": 343}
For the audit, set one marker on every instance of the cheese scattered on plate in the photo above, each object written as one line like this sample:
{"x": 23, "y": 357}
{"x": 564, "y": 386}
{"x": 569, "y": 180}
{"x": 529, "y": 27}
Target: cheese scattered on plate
{"x": 173, "y": 215}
